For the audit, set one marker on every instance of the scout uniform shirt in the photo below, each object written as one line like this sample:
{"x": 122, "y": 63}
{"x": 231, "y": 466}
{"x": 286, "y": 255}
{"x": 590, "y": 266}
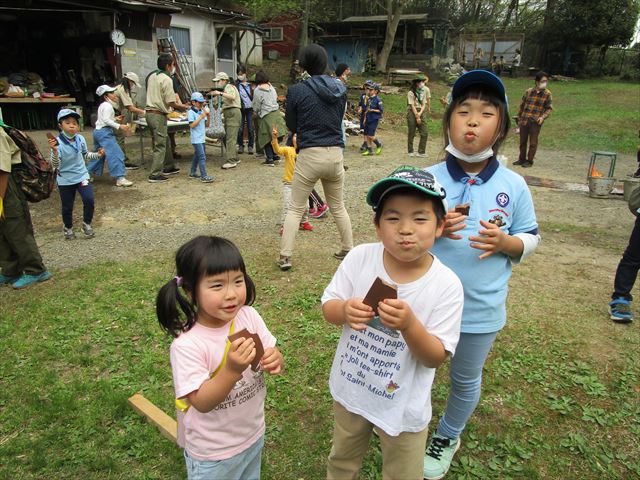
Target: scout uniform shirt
{"x": 124, "y": 98}
{"x": 230, "y": 89}
{"x": 160, "y": 92}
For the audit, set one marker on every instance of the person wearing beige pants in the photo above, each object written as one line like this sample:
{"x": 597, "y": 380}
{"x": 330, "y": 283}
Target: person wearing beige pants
{"x": 351, "y": 433}
{"x": 313, "y": 164}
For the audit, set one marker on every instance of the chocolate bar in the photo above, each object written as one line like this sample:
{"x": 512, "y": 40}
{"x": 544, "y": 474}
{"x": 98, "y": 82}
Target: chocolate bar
{"x": 378, "y": 292}
{"x": 244, "y": 333}
{"x": 463, "y": 208}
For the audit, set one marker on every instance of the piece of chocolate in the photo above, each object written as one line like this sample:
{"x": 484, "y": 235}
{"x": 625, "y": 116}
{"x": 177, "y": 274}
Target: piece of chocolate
{"x": 244, "y": 333}
{"x": 378, "y": 292}
{"x": 50, "y": 136}
{"x": 463, "y": 208}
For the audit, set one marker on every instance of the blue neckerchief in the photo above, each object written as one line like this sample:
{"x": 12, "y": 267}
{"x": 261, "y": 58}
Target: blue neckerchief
{"x": 459, "y": 175}
{"x": 195, "y": 110}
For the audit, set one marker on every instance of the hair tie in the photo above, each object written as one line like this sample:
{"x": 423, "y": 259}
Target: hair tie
{"x": 178, "y": 280}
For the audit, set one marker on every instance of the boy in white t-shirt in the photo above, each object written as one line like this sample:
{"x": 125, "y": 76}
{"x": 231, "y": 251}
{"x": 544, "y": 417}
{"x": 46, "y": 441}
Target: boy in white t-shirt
{"x": 384, "y": 364}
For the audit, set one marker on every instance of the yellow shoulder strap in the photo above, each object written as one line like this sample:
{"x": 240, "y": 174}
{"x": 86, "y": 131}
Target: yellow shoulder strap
{"x": 183, "y": 404}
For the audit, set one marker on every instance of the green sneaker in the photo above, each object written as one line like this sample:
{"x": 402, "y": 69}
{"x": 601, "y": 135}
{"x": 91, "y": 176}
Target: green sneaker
{"x": 367, "y": 152}
{"x": 438, "y": 456}
{"x": 379, "y": 149}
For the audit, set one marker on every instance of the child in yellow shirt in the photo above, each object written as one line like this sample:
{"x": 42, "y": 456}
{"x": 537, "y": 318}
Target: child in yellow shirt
{"x": 289, "y": 154}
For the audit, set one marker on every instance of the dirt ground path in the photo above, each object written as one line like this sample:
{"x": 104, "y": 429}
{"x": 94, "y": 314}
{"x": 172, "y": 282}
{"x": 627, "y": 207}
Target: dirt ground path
{"x": 244, "y": 204}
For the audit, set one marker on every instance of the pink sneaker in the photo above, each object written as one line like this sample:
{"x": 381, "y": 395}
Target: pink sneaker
{"x": 320, "y": 211}
{"x": 313, "y": 211}
{"x": 306, "y": 226}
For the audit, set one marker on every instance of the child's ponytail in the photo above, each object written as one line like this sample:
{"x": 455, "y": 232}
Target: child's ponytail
{"x": 175, "y": 312}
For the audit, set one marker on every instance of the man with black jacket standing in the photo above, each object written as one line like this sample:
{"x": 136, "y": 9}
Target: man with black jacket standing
{"x": 315, "y": 108}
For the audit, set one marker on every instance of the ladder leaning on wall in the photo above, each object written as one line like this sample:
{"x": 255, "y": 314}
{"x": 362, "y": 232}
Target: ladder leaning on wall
{"x": 184, "y": 70}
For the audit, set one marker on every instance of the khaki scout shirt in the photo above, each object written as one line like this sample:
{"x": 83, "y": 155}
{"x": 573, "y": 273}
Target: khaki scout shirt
{"x": 227, "y": 103}
{"x": 9, "y": 152}
{"x": 124, "y": 99}
{"x": 160, "y": 92}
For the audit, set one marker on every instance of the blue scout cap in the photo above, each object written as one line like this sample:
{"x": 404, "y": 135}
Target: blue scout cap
{"x": 197, "y": 97}
{"x": 479, "y": 77}
{"x": 67, "y": 112}
{"x": 405, "y": 176}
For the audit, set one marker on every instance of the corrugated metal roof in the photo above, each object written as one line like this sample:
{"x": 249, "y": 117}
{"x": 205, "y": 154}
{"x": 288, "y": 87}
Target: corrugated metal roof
{"x": 383, "y": 18}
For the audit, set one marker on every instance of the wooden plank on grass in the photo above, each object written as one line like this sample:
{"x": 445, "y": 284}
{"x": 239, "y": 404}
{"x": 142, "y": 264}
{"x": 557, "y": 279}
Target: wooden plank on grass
{"x": 168, "y": 426}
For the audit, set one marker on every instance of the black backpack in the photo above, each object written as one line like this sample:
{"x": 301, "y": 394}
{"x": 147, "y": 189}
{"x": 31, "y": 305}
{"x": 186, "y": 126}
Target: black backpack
{"x": 35, "y": 176}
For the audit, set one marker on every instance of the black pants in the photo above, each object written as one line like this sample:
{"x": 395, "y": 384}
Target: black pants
{"x": 68, "y": 196}
{"x": 629, "y": 265}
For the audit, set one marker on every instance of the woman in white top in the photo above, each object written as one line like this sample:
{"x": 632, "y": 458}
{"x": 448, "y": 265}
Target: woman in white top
{"x": 104, "y": 137}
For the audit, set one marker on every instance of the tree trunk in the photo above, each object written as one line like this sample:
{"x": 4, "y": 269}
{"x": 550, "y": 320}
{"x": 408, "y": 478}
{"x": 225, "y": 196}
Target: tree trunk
{"x": 304, "y": 30}
{"x": 393, "y": 20}
{"x": 513, "y": 5}
{"x": 542, "y": 47}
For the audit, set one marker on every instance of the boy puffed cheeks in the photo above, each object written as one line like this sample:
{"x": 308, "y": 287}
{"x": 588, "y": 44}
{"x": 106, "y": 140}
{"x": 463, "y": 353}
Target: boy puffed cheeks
{"x": 385, "y": 361}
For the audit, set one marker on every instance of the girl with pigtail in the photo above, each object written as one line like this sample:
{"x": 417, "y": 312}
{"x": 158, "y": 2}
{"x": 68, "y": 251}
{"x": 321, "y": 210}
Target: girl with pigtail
{"x": 219, "y": 385}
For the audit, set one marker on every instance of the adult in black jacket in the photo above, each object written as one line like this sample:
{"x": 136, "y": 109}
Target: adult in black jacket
{"x": 314, "y": 112}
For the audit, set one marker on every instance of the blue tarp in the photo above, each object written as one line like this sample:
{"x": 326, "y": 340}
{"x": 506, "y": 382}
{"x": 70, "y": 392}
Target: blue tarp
{"x": 353, "y": 52}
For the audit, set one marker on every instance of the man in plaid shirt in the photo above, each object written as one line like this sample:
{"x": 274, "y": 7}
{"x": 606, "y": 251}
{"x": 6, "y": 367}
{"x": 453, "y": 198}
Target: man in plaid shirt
{"x": 534, "y": 109}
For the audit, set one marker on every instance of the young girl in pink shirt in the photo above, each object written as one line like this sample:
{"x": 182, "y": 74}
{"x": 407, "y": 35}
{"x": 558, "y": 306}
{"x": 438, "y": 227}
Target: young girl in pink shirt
{"x": 219, "y": 393}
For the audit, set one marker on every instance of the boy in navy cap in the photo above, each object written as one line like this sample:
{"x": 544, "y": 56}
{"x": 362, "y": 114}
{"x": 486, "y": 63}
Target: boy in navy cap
{"x": 388, "y": 351}
{"x": 372, "y": 116}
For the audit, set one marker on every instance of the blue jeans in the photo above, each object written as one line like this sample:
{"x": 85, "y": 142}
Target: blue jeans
{"x": 243, "y": 466}
{"x": 68, "y": 196}
{"x": 114, "y": 155}
{"x": 627, "y": 271}
{"x": 199, "y": 160}
{"x": 247, "y": 117}
{"x": 466, "y": 378}
{"x": 268, "y": 151}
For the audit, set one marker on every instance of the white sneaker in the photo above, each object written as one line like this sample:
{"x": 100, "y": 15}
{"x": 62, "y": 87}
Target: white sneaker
{"x": 421, "y": 155}
{"x": 229, "y": 165}
{"x": 123, "y": 182}
{"x": 411, "y": 154}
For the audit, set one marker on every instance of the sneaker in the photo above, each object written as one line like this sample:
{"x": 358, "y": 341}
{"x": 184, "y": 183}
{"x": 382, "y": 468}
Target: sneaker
{"x": 527, "y": 164}
{"x": 421, "y": 155}
{"x": 123, "y": 182}
{"x": 363, "y": 147}
{"x": 194, "y": 176}
{"x": 276, "y": 158}
{"x": 341, "y": 254}
{"x": 438, "y": 456}
{"x": 637, "y": 174}
{"x": 320, "y": 211}
{"x": 68, "y": 233}
{"x": 306, "y": 226}
{"x": 620, "y": 310}
{"x": 518, "y": 162}
{"x": 313, "y": 211}
{"x": 379, "y": 149}
{"x": 88, "y": 230}
{"x": 250, "y": 151}
{"x": 131, "y": 166}
{"x": 170, "y": 171}
{"x": 206, "y": 179}
{"x": 229, "y": 165}
{"x": 367, "y": 152}
{"x": 4, "y": 279}
{"x": 284, "y": 263}
{"x": 411, "y": 154}
{"x": 158, "y": 178}
{"x": 269, "y": 163}
{"x": 26, "y": 279}
{"x": 240, "y": 150}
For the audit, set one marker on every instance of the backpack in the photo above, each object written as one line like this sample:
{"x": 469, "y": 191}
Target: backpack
{"x": 35, "y": 176}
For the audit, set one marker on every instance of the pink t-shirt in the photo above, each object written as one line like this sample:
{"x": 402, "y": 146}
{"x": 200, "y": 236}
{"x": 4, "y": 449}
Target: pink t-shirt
{"x": 236, "y": 423}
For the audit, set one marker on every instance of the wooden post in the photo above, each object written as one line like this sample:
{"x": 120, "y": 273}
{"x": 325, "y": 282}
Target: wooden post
{"x": 168, "y": 426}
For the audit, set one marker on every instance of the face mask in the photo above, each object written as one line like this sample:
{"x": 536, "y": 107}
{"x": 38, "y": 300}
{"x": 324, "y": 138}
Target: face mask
{"x": 173, "y": 71}
{"x": 542, "y": 85}
{"x": 476, "y": 158}
{"x": 68, "y": 136}
{"x": 242, "y": 78}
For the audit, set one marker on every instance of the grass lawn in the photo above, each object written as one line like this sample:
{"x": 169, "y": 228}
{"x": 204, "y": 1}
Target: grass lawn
{"x": 561, "y": 397}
